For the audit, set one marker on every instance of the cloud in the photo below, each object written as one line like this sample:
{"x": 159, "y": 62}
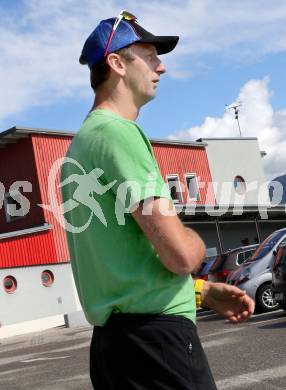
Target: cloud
{"x": 42, "y": 39}
{"x": 257, "y": 119}
{"x": 40, "y": 50}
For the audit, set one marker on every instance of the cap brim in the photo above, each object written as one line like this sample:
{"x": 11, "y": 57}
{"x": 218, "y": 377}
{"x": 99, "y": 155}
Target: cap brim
{"x": 163, "y": 44}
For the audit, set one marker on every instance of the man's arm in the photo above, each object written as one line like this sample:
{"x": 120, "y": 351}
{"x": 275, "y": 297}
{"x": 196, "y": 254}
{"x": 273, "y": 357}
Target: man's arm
{"x": 180, "y": 249}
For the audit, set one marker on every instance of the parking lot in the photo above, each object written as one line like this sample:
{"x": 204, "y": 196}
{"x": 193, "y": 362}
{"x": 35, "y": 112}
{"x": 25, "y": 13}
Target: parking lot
{"x": 246, "y": 356}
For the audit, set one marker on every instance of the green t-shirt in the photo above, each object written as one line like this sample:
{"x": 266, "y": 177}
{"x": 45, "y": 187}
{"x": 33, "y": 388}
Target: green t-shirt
{"x": 115, "y": 266}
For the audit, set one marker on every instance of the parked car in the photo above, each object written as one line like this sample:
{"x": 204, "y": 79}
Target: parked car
{"x": 229, "y": 261}
{"x": 203, "y": 272}
{"x": 255, "y": 275}
{"x": 279, "y": 277}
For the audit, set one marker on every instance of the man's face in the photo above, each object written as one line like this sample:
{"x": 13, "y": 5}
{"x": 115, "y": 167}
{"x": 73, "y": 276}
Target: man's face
{"x": 143, "y": 73}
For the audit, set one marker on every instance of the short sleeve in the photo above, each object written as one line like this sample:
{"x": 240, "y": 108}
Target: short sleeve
{"x": 125, "y": 156}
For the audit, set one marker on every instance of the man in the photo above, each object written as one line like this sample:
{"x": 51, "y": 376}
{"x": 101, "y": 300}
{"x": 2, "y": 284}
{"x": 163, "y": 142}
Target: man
{"x": 133, "y": 266}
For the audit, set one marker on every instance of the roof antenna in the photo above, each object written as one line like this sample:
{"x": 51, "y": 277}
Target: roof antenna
{"x": 236, "y": 112}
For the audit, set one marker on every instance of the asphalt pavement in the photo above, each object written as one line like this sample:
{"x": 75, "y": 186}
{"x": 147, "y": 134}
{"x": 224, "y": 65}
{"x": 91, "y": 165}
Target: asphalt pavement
{"x": 250, "y": 356}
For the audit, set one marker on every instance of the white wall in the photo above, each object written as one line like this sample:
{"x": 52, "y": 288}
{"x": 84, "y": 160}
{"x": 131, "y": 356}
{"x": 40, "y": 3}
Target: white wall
{"x": 32, "y": 300}
{"x": 230, "y": 157}
{"x": 26, "y": 327}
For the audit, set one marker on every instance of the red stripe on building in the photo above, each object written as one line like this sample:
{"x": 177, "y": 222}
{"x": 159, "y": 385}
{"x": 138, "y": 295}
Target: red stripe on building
{"x": 33, "y": 249}
{"x": 47, "y": 150}
{"x": 183, "y": 159}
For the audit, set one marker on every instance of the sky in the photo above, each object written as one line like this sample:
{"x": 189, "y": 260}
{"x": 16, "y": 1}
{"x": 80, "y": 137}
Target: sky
{"x": 229, "y": 52}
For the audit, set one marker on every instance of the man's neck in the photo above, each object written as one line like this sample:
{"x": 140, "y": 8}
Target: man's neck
{"x": 120, "y": 107}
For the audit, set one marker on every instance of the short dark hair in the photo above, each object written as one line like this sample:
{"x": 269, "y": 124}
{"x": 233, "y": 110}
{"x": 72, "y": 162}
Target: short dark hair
{"x": 99, "y": 74}
{"x": 100, "y": 71}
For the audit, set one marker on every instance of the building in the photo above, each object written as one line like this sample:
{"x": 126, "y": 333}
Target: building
{"x": 36, "y": 280}
{"x": 243, "y": 214}
{"x": 35, "y": 273}
{"x": 237, "y": 171}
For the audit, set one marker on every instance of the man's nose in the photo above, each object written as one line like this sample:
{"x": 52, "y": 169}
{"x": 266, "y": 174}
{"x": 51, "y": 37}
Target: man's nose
{"x": 160, "y": 67}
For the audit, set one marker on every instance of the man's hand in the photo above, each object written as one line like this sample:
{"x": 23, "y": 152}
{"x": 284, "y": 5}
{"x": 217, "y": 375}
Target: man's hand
{"x": 230, "y": 301}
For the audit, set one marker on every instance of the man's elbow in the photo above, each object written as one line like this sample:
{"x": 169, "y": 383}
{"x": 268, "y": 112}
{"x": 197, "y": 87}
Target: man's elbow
{"x": 187, "y": 264}
{"x": 191, "y": 266}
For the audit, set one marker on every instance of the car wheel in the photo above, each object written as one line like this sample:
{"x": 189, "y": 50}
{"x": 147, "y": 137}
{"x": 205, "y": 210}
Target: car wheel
{"x": 264, "y": 298}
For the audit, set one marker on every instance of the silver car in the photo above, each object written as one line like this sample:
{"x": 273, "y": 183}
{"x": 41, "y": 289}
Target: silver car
{"x": 227, "y": 262}
{"x": 255, "y": 276}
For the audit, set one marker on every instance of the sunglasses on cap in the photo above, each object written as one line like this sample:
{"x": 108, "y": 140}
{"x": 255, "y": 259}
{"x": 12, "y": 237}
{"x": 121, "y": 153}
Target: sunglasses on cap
{"x": 122, "y": 15}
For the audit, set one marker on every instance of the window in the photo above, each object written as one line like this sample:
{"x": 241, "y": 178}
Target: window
{"x": 240, "y": 258}
{"x": 13, "y": 206}
{"x": 269, "y": 244}
{"x": 239, "y": 185}
{"x": 47, "y": 278}
{"x": 192, "y": 185}
{"x": 248, "y": 254}
{"x": 9, "y": 284}
{"x": 175, "y": 188}
{"x": 243, "y": 256}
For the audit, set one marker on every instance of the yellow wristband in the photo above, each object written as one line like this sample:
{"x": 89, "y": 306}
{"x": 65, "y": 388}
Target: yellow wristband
{"x": 199, "y": 285}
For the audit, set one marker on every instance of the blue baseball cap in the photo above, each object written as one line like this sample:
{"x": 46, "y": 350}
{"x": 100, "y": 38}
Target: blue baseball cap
{"x": 127, "y": 33}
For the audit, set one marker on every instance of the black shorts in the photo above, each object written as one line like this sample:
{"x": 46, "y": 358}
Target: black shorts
{"x": 148, "y": 352}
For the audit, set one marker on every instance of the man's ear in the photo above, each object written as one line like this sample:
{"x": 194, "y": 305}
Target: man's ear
{"x": 115, "y": 63}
